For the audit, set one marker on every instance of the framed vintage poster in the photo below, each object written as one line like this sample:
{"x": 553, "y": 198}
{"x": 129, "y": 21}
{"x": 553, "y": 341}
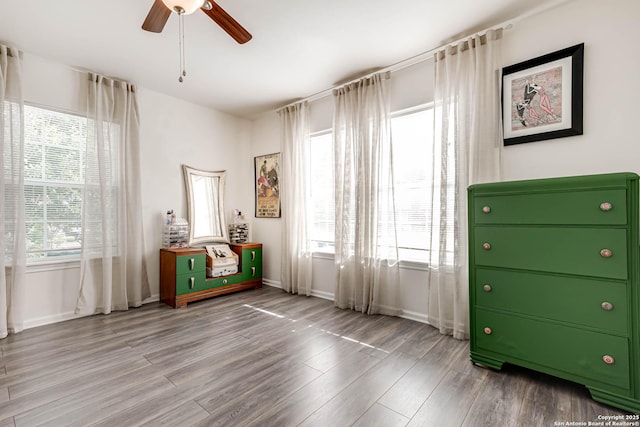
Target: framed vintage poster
{"x": 542, "y": 97}
{"x": 267, "y": 179}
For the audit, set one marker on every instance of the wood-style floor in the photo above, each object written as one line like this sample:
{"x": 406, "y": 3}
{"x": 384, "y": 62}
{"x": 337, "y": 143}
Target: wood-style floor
{"x": 266, "y": 358}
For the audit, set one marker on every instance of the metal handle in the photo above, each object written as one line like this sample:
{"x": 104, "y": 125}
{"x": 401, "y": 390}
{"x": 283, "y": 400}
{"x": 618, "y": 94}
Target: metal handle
{"x": 606, "y": 206}
{"x": 609, "y": 360}
{"x": 486, "y": 288}
{"x": 193, "y": 282}
{"x": 607, "y": 306}
{"x": 253, "y": 271}
{"x": 224, "y": 281}
{"x": 192, "y": 263}
{"x": 486, "y": 246}
{"x": 606, "y": 253}
{"x": 253, "y": 255}
{"x": 486, "y": 209}
{"x": 488, "y": 331}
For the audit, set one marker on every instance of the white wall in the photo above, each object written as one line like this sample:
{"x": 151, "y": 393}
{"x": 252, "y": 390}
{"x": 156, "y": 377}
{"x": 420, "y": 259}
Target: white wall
{"x": 173, "y": 132}
{"x": 608, "y": 29}
{"x": 265, "y": 139}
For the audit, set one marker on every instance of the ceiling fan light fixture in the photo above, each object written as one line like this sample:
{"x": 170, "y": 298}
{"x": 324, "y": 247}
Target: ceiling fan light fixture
{"x": 185, "y": 7}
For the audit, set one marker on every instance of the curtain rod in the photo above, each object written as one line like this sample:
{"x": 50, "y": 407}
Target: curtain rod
{"x": 424, "y": 56}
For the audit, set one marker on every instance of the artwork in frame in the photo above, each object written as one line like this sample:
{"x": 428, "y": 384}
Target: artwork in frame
{"x": 542, "y": 97}
{"x": 267, "y": 180}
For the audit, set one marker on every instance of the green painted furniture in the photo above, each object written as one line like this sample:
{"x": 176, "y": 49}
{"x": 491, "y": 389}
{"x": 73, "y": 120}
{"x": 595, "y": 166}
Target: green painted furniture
{"x": 183, "y": 274}
{"x": 553, "y": 280}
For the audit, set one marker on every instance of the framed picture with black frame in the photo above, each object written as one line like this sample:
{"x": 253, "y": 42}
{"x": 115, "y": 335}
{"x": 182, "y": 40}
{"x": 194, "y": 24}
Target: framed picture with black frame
{"x": 542, "y": 97}
{"x": 267, "y": 181}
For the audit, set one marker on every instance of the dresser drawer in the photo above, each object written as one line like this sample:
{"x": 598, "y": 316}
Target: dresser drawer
{"x": 553, "y": 249}
{"x": 251, "y": 263}
{"x": 191, "y": 282}
{"x": 571, "y": 350}
{"x": 225, "y": 280}
{"x": 555, "y": 208}
{"x": 190, "y": 263}
{"x": 574, "y": 300}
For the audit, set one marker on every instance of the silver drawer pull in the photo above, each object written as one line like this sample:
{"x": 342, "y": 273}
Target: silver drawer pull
{"x": 607, "y": 306}
{"x": 224, "y": 281}
{"x": 609, "y": 360}
{"x": 606, "y": 253}
{"x": 253, "y": 255}
{"x": 486, "y": 288}
{"x": 606, "y": 206}
{"x": 486, "y": 246}
{"x": 193, "y": 282}
{"x": 488, "y": 331}
{"x": 253, "y": 271}
{"x": 486, "y": 209}
{"x": 192, "y": 263}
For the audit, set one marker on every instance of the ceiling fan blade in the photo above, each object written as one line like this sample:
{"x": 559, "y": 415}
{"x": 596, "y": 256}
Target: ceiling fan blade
{"x": 227, "y": 23}
{"x": 156, "y": 18}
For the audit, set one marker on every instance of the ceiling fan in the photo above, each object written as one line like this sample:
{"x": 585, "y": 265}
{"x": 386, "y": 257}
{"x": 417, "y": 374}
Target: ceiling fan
{"x": 161, "y": 9}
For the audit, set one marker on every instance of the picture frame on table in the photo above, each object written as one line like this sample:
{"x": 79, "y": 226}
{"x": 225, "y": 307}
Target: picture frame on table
{"x": 542, "y": 98}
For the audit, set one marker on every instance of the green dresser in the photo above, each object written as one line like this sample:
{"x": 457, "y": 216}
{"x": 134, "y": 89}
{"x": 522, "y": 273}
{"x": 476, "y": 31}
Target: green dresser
{"x": 183, "y": 274}
{"x": 553, "y": 280}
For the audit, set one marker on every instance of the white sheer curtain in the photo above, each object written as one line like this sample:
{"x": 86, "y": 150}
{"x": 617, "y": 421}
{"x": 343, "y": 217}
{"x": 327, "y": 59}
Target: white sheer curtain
{"x": 466, "y": 151}
{"x": 113, "y": 267}
{"x": 366, "y": 253}
{"x": 294, "y": 192}
{"x": 12, "y": 219}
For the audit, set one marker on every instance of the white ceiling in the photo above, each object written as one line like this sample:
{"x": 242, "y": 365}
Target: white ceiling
{"x": 299, "y": 47}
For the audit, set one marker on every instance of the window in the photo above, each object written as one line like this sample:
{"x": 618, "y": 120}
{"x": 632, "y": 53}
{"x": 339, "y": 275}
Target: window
{"x": 412, "y": 133}
{"x": 321, "y": 188}
{"x": 54, "y": 164}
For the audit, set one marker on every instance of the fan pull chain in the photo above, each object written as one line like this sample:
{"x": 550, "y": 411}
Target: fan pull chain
{"x": 183, "y": 72}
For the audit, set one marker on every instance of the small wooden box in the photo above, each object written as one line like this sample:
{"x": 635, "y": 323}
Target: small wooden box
{"x": 222, "y": 262}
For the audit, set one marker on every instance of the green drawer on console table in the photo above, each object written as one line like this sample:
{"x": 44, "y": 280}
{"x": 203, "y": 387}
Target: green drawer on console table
{"x": 190, "y": 273}
{"x": 600, "y": 358}
{"x": 186, "y": 264}
{"x": 182, "y": 270}
{"x": 602, "y": 304}
{"x": 191, "y": 282}
{"x": 583, "y": 207}
{"x": 600, "y": 252}
{"x": 252, "y": 263}
{"x": 225, "y": 280}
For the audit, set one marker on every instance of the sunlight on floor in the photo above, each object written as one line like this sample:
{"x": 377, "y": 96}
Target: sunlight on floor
{"x": 279, "y": 316}
{"x": 264, "y": 311}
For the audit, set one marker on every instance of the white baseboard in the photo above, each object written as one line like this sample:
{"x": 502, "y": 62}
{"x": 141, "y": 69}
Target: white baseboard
{"x": 47, "y": 320}
{"x": 405, "y": 314}
{"x": 272, "y": 283}
{"x": 314, "y": 293}
{"x": 61, "y": 317}
{"x": 415, "y": 316}
{"x": 322, "y": 294}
